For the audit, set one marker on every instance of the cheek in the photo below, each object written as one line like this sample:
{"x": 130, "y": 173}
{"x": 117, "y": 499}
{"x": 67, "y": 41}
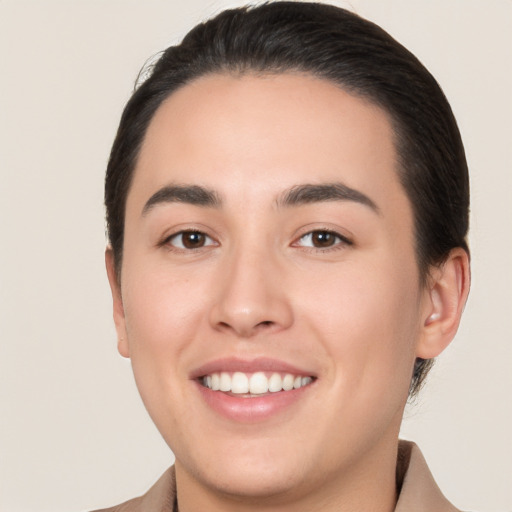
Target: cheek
{"x": 163, "y": 311}
{"x": 368, "y": 323}
{"x": 163, "y": 315}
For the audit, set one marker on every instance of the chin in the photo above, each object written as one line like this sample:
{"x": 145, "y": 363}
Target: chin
{"x": 246, "y": 470}
{"x": 265, "y": 480}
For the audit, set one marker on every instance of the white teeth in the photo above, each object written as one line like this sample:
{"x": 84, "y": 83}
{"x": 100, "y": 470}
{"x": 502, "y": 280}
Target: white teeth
{"x": 225, "y": 382}
{"x": 288, "y": 382}
{"x": 215, "y": 382}
{"x": 275, "y": 383}
{"x": 256, "y": 384}
{"x": 239, "y": 383}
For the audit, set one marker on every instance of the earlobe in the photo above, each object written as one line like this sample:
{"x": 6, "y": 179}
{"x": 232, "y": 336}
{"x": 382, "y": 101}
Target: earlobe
{"x": 117, "y": 303}
{"x": 446, "y": 295}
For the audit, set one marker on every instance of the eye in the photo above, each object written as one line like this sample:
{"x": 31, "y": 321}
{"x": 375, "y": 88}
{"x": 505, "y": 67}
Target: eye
{"x": 190, "y": 240}
{"x": 322, "y": 239}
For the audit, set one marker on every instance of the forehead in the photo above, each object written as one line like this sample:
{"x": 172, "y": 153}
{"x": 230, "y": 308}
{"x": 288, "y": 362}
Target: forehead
{"x": 267, "y": 132}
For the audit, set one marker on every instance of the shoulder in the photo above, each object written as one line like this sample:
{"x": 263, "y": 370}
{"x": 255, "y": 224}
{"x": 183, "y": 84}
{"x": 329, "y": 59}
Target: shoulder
{"x": 160, "y": 498}
{"x": 133, "y": 505}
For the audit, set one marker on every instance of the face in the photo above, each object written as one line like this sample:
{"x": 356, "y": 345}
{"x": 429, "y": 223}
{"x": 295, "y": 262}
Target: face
{"x": 270, "y": 299}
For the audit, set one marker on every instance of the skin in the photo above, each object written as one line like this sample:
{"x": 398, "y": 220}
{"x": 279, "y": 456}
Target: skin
{"x": 353, "y": 313}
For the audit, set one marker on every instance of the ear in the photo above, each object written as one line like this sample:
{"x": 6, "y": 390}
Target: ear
{"x": 445, "y": 297}
{"x": 117, "y": 301}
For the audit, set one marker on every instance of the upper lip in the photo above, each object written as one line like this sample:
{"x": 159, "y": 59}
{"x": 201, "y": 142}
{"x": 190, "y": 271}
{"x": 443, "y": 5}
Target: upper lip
{"x": 260, "y": 364}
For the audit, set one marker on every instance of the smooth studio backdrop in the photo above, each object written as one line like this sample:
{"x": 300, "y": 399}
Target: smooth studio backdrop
{"x": 74, "y": 434}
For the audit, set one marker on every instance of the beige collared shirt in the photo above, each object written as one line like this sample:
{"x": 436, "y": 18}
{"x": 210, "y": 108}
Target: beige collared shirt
{"x": 419, "y": 492}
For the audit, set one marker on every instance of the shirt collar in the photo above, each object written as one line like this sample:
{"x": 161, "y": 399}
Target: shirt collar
{"x": 419, "y": 491}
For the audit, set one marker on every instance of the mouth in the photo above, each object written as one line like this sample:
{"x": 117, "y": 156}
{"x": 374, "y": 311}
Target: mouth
{"x": 253, "y": 391}
{"x": 255, "y": 384}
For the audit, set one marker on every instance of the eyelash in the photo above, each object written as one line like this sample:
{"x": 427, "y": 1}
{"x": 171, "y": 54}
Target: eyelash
{"x": 340, "y": 241}
{"x": 168, "y": 240}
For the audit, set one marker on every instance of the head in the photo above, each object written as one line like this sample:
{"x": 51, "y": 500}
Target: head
{"x": 336, "y": 45}
{"x": 255, "y": 53}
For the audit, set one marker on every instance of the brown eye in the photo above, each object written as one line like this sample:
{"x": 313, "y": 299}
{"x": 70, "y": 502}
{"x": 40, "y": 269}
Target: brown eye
{"x": 322, "y": 239}
{"x": 190, "y": 240}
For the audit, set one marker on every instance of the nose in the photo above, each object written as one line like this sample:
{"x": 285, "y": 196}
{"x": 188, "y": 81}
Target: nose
{"x": 252, "y": 296}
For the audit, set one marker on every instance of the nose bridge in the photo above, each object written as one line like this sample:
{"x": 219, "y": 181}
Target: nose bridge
{"x": 251, "y": 297}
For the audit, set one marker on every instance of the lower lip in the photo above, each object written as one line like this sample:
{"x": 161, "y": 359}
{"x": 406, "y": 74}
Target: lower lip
{"x": 251, "y": 409}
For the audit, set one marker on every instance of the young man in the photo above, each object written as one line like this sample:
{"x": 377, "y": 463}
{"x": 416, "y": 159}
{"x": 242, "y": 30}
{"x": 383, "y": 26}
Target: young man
{"x": 287, "y": 204}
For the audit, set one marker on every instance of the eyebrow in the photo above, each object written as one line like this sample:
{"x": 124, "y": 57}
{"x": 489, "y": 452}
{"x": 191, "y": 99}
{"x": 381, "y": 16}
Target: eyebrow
{"x": 191, "y": 194}
{"x": 312, "y": 193}
{"x": 198, "y": 195}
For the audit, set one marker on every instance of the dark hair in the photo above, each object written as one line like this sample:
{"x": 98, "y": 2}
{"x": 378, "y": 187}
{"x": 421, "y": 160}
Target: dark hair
{"x": 333, "y": 44}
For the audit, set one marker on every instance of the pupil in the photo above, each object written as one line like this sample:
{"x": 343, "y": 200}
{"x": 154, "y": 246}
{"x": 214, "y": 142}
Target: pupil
{"x": 192, "y": 240}
{"x": 323, "y": 239}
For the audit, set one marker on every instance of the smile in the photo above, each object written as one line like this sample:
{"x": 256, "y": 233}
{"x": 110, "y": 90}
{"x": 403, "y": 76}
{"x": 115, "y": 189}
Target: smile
{"x": 252, "y": 384}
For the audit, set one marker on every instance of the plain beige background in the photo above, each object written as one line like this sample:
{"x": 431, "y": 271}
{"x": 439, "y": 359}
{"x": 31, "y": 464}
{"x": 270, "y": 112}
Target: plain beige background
{"x": 74, "y": 434}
